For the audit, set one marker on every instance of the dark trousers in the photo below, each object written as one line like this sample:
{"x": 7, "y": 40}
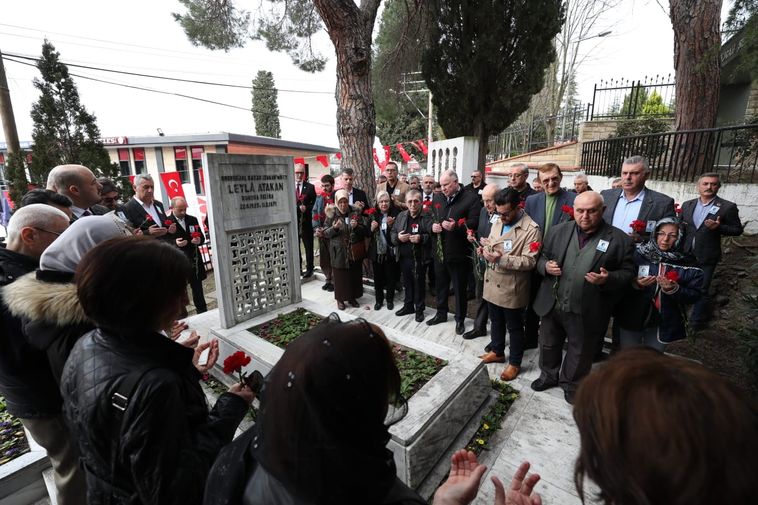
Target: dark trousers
{"x": 197, "y": 295}
{"x": 429, "y": 271}
{"x": 512, "y": 319}
{"x": 701, "y": 312}
{"x": 456, "y": 271}
{"x": 557, "y": 326}
{"x": 482, "y": 307}
{"x": 306, "y": 235}
{"x": 532, "y": 320}
{"x": 386, "y": 275}
{"x": 325, "y": 260}
{"x": 413, "y": 284}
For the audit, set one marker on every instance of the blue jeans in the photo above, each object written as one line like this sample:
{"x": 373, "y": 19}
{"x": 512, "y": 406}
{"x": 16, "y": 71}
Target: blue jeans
{"x": 647, "y": 338}
{"x": 512, "y": 319}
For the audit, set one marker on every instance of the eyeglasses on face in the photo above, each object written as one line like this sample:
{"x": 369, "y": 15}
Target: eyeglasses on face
{"x": 57, "y": 234}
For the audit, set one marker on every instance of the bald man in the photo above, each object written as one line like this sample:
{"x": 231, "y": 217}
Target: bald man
{"x": 188, "y": 238}
{"x": 586, "y": 265}
{"x": 79, "y": 184}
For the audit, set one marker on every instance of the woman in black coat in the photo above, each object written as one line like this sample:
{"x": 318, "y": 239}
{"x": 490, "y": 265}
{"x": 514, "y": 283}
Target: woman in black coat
{"x": 381, "y": 250}
{"x": 131, "y": 395}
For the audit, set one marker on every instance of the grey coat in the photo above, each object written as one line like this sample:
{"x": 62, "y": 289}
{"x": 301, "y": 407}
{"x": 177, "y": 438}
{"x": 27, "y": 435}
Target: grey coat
{"x": 655, "y": 206}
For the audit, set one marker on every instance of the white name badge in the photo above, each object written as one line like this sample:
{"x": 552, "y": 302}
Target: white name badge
{"x": 494, "y": 218}
{"x": 414, "y": 228}
{"x": 192, "y": 228}
{"x": 384, "y": 226}
{"x": 650, "y": 226}
{"x": 480, "y": 192}
{"x": 713, "y": 210}
{"x": 602, "y": 246}
{"x": 643, "y": 271}
{"x": 396, "y": 192}
{"x": 347, "y": 220}
{"x": 508, "y": 245}
{"x": 121, "y": 216}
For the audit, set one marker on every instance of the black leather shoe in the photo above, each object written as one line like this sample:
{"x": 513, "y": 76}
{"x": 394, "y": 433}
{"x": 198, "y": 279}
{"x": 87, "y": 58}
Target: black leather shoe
{"x": 390, "y": 305}
{"x": 569, "y": 396}
{"x": 377, "y": 305}
{"x": 543, "y": 384}
{"x": 474, "y": 334}
{"x": 419, "y": 316}
{"x": 325, "y": 287}
{"x": 488, "y": 347}
{"x": 404, "y": 311}
{"x": 354, "y": 303}
{"x": 437, "y": 320}
{"x": 307, "y": 273}
{"x": 460, "y": 327}
{"x": 330, "y": 287}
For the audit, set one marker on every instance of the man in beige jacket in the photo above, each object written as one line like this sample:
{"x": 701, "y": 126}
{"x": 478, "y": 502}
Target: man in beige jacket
{"x": 394, "y": 186}
{"x": 511, "y": 253}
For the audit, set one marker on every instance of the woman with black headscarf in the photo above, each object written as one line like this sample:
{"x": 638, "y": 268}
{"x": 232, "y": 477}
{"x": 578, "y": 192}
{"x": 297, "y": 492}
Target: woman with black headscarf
{"x": 654, "y": 310}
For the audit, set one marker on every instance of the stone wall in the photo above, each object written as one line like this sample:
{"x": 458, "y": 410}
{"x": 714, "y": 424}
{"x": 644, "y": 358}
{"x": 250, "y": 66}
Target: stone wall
{"x": 566, "y": 156}
{"x": 751, "y": 109}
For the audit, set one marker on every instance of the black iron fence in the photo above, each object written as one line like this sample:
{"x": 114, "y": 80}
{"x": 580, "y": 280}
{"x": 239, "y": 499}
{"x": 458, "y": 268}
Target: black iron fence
{"x": 680, "y": 156}
{"x": 625, "y": 99}
{"x": 536, "y": 133}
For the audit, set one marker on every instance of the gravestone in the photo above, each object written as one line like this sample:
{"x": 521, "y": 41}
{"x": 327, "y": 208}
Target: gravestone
{"x": 253, "y": 223}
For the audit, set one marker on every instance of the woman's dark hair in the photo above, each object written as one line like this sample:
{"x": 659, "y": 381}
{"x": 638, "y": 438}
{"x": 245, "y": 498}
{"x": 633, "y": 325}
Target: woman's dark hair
{"x": 508, "y": 196}
{"x": 131, "y": 283}
{"x": 661, "y": 430}
{"x": 322, "y": 429}
{"x": 47, "y": 197}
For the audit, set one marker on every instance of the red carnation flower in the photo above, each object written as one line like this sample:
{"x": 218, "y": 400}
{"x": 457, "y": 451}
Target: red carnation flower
{"x": 462, "y": 221}
{"x": 195, "y": 234}
{"x": 677, "y": 209}
{"x": 235, "y": 362}
{"x": 638, "y": 226}
{"x": 437, "y": 206}
{"x": 534, "y": 247}
{"x": 370, "y": 211}
{"x": 672, "y": 275}
{"x": 427, "y": 203}
{"x": 469, "y": 232}
{"x": 168, "y": 222}
{"x": 522, "y": 204}
{"x": 148, "y": 218}
{"x": 568, "y": 209}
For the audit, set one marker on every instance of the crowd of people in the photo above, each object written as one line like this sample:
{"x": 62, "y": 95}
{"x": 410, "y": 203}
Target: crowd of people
{"x": 104, "y": 376}
{"x": 551, "y": 265}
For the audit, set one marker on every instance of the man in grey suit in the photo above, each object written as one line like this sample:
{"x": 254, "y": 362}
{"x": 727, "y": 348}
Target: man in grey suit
{"x": 707, "y": 219}
{"x": 634, "y": 202}
{"x": 586, "y": 266}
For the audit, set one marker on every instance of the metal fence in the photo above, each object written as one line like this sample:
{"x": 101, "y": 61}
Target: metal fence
{"x": 531, "y": 135}
{"x": 625, "y": 99}
{"x": 680, "y": 156}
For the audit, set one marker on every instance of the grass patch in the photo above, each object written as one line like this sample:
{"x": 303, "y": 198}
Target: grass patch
{"x": 13, "y": 441}
{"x": 416, "y": 368}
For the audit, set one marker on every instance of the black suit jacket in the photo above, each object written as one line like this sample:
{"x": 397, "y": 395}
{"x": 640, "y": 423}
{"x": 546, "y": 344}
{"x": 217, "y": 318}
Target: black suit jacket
{"x": 655, "y": 206}
{"x": 137, "y": 217}
{"x": 360, "y": 196}
{"x": 597, "y": 301}
{"x": 704, "y": 243}
{"x": 190, "y": 250}
{"x": 467, "y": 205}
{"x": 308, "y": 195}
{"x": 535, "y": 208}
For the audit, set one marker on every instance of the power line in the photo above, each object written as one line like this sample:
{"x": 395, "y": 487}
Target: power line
{"x": 177, "y": 79}
{"x": 181, "y": 95}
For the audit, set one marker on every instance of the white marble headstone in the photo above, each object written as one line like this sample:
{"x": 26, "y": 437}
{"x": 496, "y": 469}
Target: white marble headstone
{"x": 253, "y": 223}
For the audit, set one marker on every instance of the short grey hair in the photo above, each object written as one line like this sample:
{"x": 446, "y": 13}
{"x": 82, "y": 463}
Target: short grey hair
{"x": 142, "y": 177}
{"x": 412, "y": 193}
{"x": 637, "y": 160}
{"x": 381, "y": 194}
{"x": 450, "y": 173}
{"x": 35, "y": 215}
{"x": 521, "y": 166}
{"x": 581, "y": 177}
{"x": 61, "y": 177}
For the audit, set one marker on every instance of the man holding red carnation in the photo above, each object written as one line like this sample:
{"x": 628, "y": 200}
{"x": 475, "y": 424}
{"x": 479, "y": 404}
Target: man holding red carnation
{"x": 147, "y": 214}
{"x": 188, "y": 238}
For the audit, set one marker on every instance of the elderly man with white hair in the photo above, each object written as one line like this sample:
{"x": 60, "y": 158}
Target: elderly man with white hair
{"x": 26, "y": 379}
{"x": 146, "y": 213}
{"x": 581, "y": 184}
{"x": 79, "y": 184}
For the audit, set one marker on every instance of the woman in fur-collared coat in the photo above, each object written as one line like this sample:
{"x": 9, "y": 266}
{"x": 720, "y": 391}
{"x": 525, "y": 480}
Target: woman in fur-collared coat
{"x": 346, "y": 230}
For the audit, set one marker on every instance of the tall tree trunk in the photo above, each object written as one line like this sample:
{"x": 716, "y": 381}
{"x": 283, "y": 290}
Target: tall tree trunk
{"x": 697, "y": 42}
{"x": 350, "y": 28}
{"x": 484, "y": 136}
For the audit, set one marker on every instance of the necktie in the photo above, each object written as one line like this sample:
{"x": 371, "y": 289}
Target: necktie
{"x": 428, "y": 198}
{"x": 86, "y": 213}
{"x": 298, "y": 190}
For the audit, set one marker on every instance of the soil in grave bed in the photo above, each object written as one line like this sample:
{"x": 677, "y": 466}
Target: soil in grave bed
{"x": 416, "y": 368}
{"x": 12, "y": 438}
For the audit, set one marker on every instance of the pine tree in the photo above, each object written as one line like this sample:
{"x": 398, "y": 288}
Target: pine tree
{"x": 485, "y": 60}
{"x": 265, "y": 107}
{"x": 64, "y": 132}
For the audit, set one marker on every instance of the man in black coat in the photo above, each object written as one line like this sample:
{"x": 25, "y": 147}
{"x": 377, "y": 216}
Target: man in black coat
{"x": 188, "y": 238}
{"x": 634, "y": 202}
{"x": 26, "y": 380}
{"x": 707, "y": 219}
{"x": 519, "y": 180}
{"x": 355, "y": 196}
{"x": 305, "y": 194}
{"x": 586, "y": 266}
{"x": 147, "y": 214}
{"x": 449, "y": 208}
{"x": 477, "y": 184}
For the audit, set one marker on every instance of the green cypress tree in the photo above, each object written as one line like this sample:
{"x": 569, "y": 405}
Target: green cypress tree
{"x": 265, "y": 107}
{"x": 64, "y": 132}
{"x": 485, "y": 60}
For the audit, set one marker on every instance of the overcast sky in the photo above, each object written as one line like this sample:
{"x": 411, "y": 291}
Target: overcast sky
{"x": 141, "y": 36}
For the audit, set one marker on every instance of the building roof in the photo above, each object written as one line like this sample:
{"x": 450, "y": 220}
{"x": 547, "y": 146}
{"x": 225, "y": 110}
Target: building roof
{"x": 223, "y": 138}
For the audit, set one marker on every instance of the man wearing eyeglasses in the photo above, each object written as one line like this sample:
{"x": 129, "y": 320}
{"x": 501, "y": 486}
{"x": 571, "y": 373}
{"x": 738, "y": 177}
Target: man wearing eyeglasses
{"x": 518, "y": 180}
{"x": 394, "y": 186}
{"x": 477, "y": 184}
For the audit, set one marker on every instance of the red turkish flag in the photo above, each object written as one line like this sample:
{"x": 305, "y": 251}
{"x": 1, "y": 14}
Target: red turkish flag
{"x": 339, "y": 156}
{"x": 323, "y": 159}
{"x": 202, "y": 180}
{"x": 298, "y": 161}
{"x": 131, "y": 179}
{"x": 173, "y": 184}
{"x": 403, "y": 152}
{"x": 376, "y": 159}
{"x": 422, "y": 146}
{"x": 387, "y": 154}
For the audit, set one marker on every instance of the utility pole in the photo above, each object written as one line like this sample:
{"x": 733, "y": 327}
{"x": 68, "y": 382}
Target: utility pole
{"x": 6, "y": 112}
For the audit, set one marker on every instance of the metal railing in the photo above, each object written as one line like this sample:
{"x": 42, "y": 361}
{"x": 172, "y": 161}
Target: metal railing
{"x": 680, "y": 156}
{"x": 625, "y": 99}
{"x": 531, "y": 135}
